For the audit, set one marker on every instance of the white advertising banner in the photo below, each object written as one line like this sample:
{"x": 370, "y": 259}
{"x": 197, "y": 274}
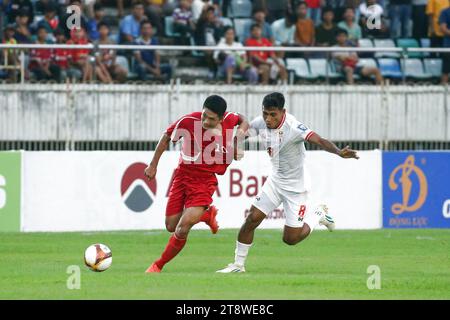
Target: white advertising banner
{"x": 99, "y": 191}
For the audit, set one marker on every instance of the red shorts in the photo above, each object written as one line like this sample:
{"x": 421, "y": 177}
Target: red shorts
{"x": 190, "y": 189}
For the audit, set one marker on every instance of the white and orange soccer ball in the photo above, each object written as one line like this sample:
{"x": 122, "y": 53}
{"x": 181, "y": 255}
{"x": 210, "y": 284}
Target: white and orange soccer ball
{"x": 98, "y": 257}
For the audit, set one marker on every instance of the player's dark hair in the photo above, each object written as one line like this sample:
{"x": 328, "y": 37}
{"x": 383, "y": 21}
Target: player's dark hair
{"x": 274, "y": 100}
{"x": 216, "y": 104}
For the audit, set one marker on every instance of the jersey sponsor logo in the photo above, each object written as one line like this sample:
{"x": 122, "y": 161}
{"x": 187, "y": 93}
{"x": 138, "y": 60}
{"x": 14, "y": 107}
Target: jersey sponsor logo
{"x": 401, "y": 178}
{"x": 138, "y": 193}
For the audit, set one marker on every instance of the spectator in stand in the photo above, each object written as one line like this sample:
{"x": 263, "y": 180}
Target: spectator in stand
{"x": 372, "y": 13}
{"x": 198, "y": 6}
{"x": 326, "y": 32}
{"x": 23, "y": 33}
{"x": 259, "y": 18}
{"x": 61, "y": 58}
{"x": 148, "y": 62}
{"x": 209, "y": 28}
{"x": 41, "y": 60}
{"x": 230, "y": 62}
{"x": 419, "y": 18}
{"x": 182, "y": 18}
{"x": 156, "y": 10}
{"x": 347, "y": 62}
{"x": 121, "y": 5}
{"x": 50, "y": 21}
{"x": 17, "y": 6}
{"x": 95, "y": 19}
{"x": 305, "y": 32}
{"x": 400, "y": 15}
{"x": 130, "y": 25}
{"x": 444, "y": 23}
{"x": 314, "y": 10}
{"x": 208, "y": 33}
{"x": 338, "y": 7}
{"x": 107, "y": 70}
{"x": 349, "y": 24}
{"x": 276, "y": 9}
{"x": 10, "y": 55}
{"x": 269, "y": 65}
{"x": 80, "y": 58}
{"x": 434, "y": 9}
{"x": 41, "y": 5}
{"x": 66, "y": 19}
{"x": 284, "y": 30}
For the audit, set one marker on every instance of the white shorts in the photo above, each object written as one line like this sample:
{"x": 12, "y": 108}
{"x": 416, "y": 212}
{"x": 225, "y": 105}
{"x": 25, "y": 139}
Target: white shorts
{"x": 295, "y": 204}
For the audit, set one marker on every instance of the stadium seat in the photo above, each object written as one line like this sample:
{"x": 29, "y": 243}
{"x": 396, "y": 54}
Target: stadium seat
{"x": 390, "y": 68}
{"x": 300, "y": 68}
{"x": 385, "y": 43}
{"x": 413, "y": 68}
{"x": 168, "y": 22}
{"x": 226, "y": 22}
{"x": 195, "y": 53}
{"x": 366, "y": 62}
{"x": 433, "y": 66}
{"x": 365, "y": 43}
{"x": 320, "y": 68}
{"x": 425, "y": 43}
{"x": 239, "y": 27}
{"x": 409, "y": 43}
{"x": 240, "y": 9}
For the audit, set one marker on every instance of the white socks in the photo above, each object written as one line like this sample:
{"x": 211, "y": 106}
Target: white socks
{"x": 241, "y": 253}
{"x": 313, "y": 217}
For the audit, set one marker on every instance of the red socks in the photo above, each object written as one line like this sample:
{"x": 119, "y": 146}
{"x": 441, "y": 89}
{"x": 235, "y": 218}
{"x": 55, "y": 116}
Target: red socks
{"x": 174, "y": 246}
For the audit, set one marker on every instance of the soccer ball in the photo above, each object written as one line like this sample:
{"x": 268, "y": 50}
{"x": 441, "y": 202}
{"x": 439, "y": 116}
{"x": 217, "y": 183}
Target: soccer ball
{"x": 98, "y": 257}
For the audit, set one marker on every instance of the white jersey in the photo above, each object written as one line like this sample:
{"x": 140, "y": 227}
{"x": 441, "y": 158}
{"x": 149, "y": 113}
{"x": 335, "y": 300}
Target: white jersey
{"x": 286, "y": 148}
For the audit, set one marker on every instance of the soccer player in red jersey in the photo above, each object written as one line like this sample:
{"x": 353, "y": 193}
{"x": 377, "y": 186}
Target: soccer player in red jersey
{"x": 208, "y": 149}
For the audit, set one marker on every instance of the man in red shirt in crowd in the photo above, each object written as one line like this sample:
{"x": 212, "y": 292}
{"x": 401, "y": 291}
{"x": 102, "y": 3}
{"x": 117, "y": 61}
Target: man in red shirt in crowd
{"x": 80, "y": 57}
{"x": 207, "y": 150}
{"x": 41, "y": 59}
{"x": 269, "y": 65}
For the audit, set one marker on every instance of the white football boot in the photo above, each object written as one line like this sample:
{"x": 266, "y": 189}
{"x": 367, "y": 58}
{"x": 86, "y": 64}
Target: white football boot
{"x": 232, "y": 268}
{"x": 326, "y": 219}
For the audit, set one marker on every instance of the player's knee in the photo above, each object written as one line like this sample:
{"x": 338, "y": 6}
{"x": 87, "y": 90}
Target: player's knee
{"x": 182, "y": 231}
{"x": 170, "y": 226}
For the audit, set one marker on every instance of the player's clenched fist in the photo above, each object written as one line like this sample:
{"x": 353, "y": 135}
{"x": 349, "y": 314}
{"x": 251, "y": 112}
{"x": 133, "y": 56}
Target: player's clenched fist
{"x": 150, "y": 172}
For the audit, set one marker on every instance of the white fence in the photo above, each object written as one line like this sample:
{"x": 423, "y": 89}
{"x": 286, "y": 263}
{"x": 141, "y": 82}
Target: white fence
{"x": 141, "y": 113}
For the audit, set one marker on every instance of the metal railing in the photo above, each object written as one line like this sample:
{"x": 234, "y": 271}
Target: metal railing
{"x": 403, "y": 52}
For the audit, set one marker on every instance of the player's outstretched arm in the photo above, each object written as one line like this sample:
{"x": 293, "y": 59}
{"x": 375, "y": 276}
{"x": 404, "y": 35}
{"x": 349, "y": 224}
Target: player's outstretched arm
{"x": 150, "y": 171}
{"x": 329, "y": 146}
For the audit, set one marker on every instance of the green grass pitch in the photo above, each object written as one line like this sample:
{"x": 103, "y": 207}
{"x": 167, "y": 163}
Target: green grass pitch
{"x": 414, "y": 264}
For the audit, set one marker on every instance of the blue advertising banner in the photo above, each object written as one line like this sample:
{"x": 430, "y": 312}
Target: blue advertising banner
{"x": 416, "y": 189}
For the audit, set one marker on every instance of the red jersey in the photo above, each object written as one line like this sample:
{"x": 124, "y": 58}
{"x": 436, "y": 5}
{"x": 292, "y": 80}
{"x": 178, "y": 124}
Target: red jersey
{"x": 61, "y": 58}
{"x": 41, "y": 55}
{"x": 263, "y": 42}
{"x": 204, "y": 149}
{"x": 78, "y": 54}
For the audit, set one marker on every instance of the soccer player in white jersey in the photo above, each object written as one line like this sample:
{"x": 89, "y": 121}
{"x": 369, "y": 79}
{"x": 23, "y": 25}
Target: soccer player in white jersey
{"x": 284, "y": 138}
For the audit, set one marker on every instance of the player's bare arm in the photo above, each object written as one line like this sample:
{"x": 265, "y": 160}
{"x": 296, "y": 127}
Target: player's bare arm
{"x": 241, "y": 135}
{"x": 150, "y": 171}
{"x": 329, "y": 146}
